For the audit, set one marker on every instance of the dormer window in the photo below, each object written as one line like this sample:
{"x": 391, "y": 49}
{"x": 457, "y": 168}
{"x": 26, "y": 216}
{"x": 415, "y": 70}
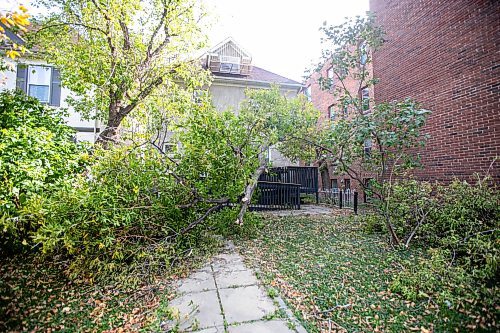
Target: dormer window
{"x": 230, "y": 64}
{"x": 229, "y": 58}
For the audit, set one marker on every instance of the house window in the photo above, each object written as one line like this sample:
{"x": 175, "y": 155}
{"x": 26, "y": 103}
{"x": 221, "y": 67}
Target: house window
{"x": 335, "y": 184}
{"x": 331, "y": 112}
{"x": 198, "y": 96}
{"x": 368, "y": 147}
{"x": 368, "y": 189}
{"x": 329, "y": 73}
{"x": 170, "y": 149}
{"x": 347, "y": 184}
{"x": 363, "y": 53}
{"x": 39, "y": 78}
{"x": 330, "y": 76}
{"x": 309, "y": 93}
{"x": 365, "y": 99}
{"x": 344, "y": 110}
{"x": 41, "y": 82}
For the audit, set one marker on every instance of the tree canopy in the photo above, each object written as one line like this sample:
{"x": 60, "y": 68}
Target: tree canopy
{"x": 118, "y": 56}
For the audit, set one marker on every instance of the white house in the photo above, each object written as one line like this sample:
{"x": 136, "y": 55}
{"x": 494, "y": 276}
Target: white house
{"x": 40, "y": 80}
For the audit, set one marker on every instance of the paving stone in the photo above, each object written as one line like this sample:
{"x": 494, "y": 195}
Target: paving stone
{"x": 199, "y": 310}
{"x": 271, "y": 326}
{"x": 218, "y": 329}
{"x": 228, "y": 279}
{"x": 228, "y": 261}
{"x": 205, "y": 268}
{"x": 245, "y": 304}
{"x": 196, "y": 282}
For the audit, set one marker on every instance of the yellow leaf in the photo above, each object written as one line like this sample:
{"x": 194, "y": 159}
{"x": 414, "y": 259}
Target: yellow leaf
{"x": 12, "y": 54}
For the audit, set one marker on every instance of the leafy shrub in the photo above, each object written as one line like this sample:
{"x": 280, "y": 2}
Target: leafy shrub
{"x": 36, "y": 152}
{"x": 371, "y": 222}
{"x": 125, "y": 216}
{"x": 224, "y": 224}
{"x": 466, "y": 221}
{"x": 459, "y": 224}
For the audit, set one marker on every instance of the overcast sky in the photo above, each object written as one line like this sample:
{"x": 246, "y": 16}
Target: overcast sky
{"x": 281, "y": 35}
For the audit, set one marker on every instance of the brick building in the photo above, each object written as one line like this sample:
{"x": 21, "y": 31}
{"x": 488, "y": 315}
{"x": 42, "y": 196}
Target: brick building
{"x": 446, "y": 55}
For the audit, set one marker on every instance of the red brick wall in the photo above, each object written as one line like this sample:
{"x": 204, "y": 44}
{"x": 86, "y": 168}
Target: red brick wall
{"x": 446, "y": 55}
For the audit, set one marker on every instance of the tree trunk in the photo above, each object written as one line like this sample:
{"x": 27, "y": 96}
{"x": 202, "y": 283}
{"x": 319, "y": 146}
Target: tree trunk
{"x": 111, "y": 132}
{"x": 251, "y": 186}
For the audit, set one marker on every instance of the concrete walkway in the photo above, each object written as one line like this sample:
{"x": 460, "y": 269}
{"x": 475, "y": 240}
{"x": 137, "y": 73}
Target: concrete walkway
{"x": 225, "y": 296}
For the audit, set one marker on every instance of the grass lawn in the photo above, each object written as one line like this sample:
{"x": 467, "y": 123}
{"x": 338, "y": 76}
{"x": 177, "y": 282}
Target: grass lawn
{"x": 336, "y": 277}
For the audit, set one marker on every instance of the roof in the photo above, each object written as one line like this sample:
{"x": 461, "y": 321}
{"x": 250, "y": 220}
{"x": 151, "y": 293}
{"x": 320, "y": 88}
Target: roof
{"x": 229, "y": 40}
{"x": 12, "y": 37}
{"x": 261, "y": 75}
{"x": 253, "y": 74}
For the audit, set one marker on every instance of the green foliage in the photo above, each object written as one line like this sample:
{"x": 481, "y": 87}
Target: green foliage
{"x": 221, "y": 150}
{"x": 124, "y": 216}
{"x": 433, "y": 277}
{"x": 37, "y": 151}
{"x": 136, "y": 209}
{"x": 120, "y": 56}
{"x": 223, "y": 224}
{"x": 366, "y": 139}
{"x": 466, "y": 222}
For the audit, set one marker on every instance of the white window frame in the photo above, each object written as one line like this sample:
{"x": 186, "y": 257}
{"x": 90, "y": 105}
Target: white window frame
{"x": 365, "y": 96}
{"x": 28, "y": 84}
{"x": 363, "y": 53}
{"x": 330, "y": 73}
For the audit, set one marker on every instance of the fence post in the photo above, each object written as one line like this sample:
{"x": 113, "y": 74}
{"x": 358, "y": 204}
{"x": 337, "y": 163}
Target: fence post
{"x": 341, "y": 198}
{"x": 355, "y": 203}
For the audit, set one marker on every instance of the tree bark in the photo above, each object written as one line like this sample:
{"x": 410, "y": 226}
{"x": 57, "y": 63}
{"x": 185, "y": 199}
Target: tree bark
{"x": 111, "y": 132}
{"x": 251, "y": 186}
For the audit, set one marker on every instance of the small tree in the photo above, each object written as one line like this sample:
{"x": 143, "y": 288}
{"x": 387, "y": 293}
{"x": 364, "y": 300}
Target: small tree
{"x": 120, "y": 56}
{"x": 367, "y": 140}
{"x": 225, "y": 153}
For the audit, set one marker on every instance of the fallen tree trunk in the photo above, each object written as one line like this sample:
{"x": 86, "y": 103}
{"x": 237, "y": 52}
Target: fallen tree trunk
{"x": 251, "y": 186}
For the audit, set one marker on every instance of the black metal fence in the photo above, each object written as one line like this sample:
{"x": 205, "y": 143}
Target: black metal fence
{"x": 340, "y": 198}
{"x": 275, "y": 196}
{"x": 306, "y": 177}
